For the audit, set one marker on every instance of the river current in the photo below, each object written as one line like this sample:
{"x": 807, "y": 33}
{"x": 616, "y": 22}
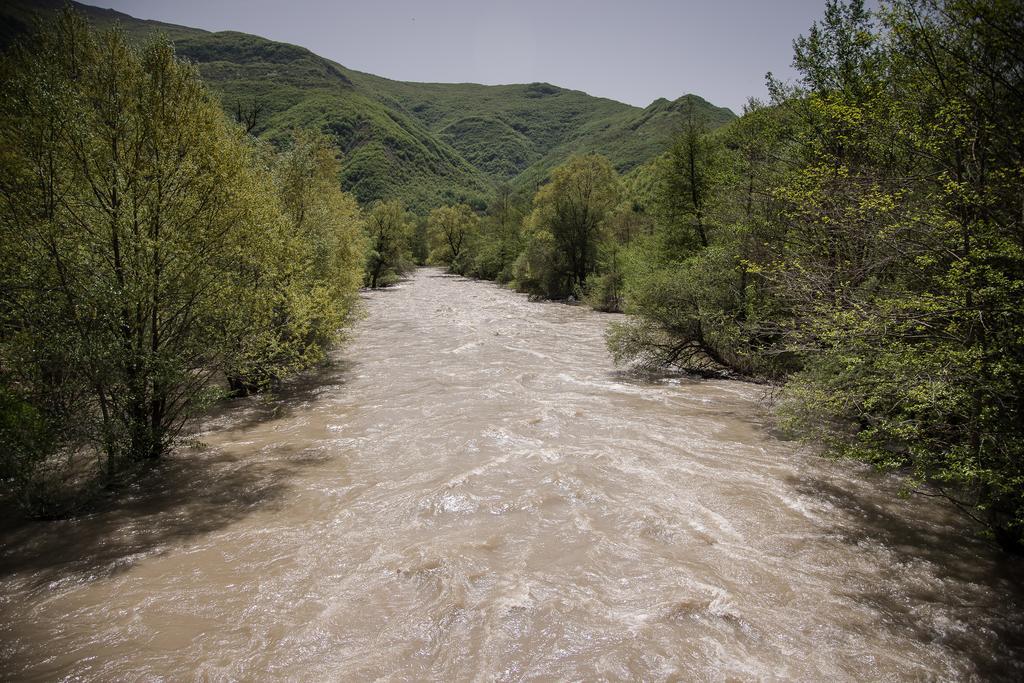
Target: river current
{"x": 471, "y": 491}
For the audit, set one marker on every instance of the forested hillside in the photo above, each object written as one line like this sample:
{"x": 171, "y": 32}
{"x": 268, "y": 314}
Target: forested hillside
{"x": 424, "y": 143}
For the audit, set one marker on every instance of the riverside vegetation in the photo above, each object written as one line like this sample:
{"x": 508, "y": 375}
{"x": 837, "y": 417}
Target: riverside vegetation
{"x": 857, "y": 239}
{"x": 153, "y": 256}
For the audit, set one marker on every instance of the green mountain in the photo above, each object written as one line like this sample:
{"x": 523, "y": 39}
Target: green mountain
{"x": 427, "y": 143}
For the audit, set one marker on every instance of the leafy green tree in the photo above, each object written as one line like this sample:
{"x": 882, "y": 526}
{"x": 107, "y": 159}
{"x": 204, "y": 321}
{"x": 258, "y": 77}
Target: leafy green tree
{"x": 499, "y": 243}
{"x": 388, "y": 229}
{"x": 866, "y": 247}
{"x": 683, "y": 315}
{"x": 901, "y": 250}
{"x": 420, "y": 243}
{"x": 506, "y": 212}
{"x": 570, "y": 210}
{"x": 686, "y": 187}
{"x": 606, "y": 286}
{"x": 134, "y": 218}
{"x": 317, "y": 273}
{"x": 538, "y": 269}
{"x": 451, "y": 232}
{"x": 683, "y": 281}
{"x": 920, "y": 360}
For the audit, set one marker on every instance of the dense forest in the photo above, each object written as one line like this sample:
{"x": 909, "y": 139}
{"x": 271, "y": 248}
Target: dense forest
{"x": 173, "y": 234}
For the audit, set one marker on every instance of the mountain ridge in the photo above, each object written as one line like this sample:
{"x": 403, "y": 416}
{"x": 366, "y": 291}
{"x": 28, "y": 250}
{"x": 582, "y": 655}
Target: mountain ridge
{"x": 425, "y": 143}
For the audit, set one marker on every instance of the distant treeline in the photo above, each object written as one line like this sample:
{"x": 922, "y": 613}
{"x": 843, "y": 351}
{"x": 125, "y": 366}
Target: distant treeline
{"x": 858, "y": 239}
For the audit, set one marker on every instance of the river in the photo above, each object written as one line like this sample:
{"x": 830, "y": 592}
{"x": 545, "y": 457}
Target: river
{"x": 471, "y": 491}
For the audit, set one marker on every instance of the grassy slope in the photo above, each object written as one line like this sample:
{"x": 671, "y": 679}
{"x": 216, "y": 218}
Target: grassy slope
{"x": 426, "y": 143}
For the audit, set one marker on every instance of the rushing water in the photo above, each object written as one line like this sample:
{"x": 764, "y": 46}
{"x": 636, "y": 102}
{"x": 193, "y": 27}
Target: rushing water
{"x": 472, "y": 491}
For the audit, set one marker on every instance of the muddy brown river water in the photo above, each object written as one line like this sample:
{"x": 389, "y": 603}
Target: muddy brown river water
{"x": 472, "y": 492}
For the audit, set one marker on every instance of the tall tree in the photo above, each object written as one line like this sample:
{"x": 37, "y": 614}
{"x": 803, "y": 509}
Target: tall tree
{"x": 571, "y": 208}
{"x": 388, "y": 230}
{"x": 686, "y": 187}
{"x": 314, "y": 281}
{"x": 905, "y": 248}
{"x": 133, "y": 213}
{"x": 450, "y": 232}
{"x": 868, "y": 247}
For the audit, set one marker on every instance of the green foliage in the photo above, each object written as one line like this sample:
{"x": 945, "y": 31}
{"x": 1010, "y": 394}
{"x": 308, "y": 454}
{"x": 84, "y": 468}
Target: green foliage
{"x": 866, "y": 244}
{"x": 538, "y": 268}
{"x": 388, "y": 256}
{"x": 419, "y": 244}
{"x": 482, "y": 246}
{"x": 921, "y": 335}
{"x": 142, "y": 187}
{"x": 492, "y": 259}
{"x": 451, "y": 232}
{"x": 568, "y": 216}
{"x": 605, "y": 287}
{"x": 627, "y": 136}
{"x": 315, "y": 273}
{"x": 145, "y": 255}
{"x": 686, "y": 312}
{"x": 685, "y": 187}
{"x": 491, "y": 145}
{"x": 687, "y": 278}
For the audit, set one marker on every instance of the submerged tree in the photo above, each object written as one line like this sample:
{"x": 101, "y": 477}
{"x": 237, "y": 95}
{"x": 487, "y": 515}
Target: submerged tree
{"x": 499, "y": 241}
{"x": 924, "y": 359}
{"x": 146, "y": 253}
{"x": 867, "y": 248}
{"x": 450, "y": 232}
{"x": 388, "y": 230}
{"x": 683, "y": 280}
{"x": 420, "y": 242}
{"x": 314, "y": 278}
{"x": 567, "y": 218}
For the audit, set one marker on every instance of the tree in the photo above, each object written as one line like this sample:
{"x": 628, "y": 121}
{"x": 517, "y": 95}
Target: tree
{"x": 420, "y": 243}
{"x": 506, "y": 211}
{"x": 686, "y": 283}
{"x": 499, "y": 242}
{"x": 867, "y": 248}
{"x": 451, "y": 229}
{"x": 905, "y": 249}
{"x": 685, "y": 188}
{"x": 313, "y": 281}
{"x": 387, "y": 229}
{"x": 606, "y": 286}
{"x": 133, "y": 220}
{"x": 248, "y": 114}
{"x": 571, "y": 208}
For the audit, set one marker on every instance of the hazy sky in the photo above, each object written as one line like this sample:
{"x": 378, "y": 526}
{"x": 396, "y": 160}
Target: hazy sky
{"x": 633, "y": 51}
